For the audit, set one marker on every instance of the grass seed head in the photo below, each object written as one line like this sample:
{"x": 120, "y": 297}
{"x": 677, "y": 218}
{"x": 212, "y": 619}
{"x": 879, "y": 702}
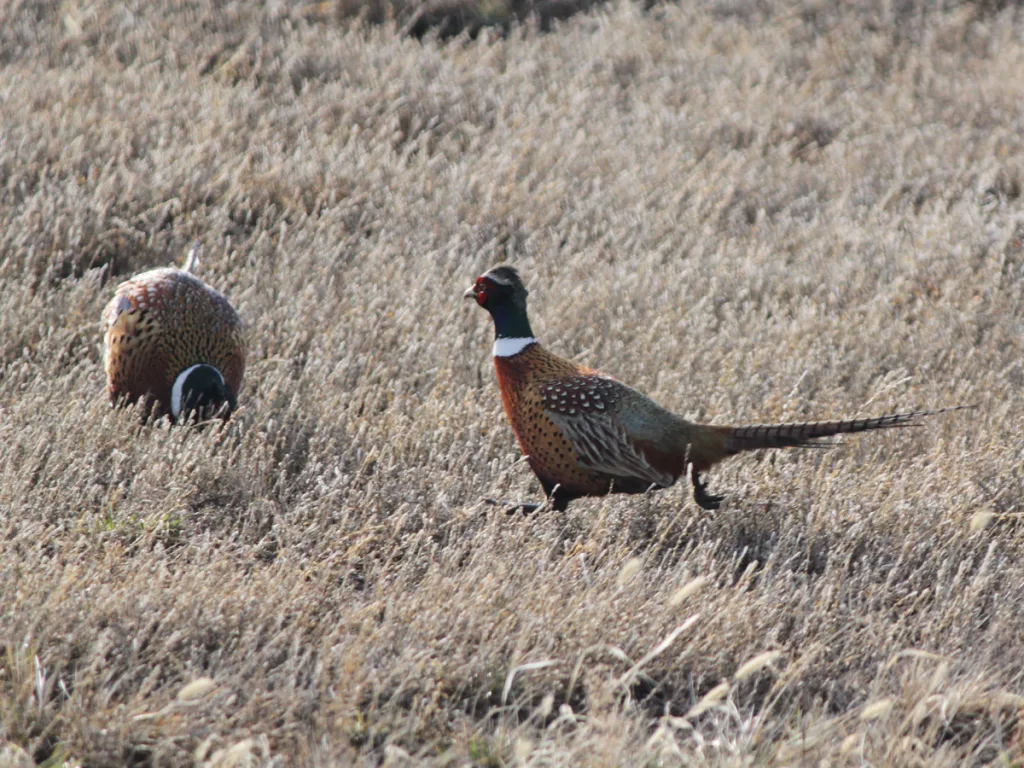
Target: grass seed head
{"x": 629, "y": 569}
{"x": 980, "y": 521}
{"x": 756, "y": 664}
{"x": 690, "y": 588}
{"x": 876, "y": 709}
{"x": 710, "y": 699}
{"x": 197, "y": 689}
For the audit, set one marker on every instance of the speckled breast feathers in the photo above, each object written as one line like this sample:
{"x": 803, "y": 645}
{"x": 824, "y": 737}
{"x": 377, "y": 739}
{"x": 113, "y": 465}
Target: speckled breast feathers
{"x": 566, "y": 420}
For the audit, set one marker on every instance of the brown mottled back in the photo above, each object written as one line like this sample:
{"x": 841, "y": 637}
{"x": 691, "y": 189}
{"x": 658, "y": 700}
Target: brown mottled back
{"x": 162, "y": 322}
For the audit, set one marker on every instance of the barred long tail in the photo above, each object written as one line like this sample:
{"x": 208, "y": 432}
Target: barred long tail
{"x": 754, "y": 436}
{"x": 711, "y": 444}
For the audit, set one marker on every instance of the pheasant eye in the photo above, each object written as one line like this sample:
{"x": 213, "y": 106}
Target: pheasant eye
{"x": 481, "y": 292}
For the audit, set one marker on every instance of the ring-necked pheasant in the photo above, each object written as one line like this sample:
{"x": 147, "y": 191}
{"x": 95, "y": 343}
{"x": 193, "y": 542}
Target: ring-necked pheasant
{"x": 174, "y": 341}
{"x": 587, "y": 434}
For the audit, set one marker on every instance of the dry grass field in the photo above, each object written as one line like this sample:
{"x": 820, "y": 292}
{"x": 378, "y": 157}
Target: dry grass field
{"x": 751, "y": 211}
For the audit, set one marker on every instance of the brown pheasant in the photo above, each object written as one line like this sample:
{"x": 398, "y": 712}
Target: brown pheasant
{"x": 175, "y": 342}
{"x": 587, "y": 434}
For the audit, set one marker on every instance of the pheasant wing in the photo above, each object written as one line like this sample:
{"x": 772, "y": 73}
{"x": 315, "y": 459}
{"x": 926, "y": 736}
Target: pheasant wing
{"x": 582, "y": 408}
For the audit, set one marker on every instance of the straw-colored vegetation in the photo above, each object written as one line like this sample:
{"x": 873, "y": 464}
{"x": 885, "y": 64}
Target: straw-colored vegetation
{"x": 750, "y": 211}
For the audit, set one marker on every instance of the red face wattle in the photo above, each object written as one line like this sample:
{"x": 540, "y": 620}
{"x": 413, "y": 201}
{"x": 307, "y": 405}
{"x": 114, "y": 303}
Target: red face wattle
{"x": 479, "y": 291}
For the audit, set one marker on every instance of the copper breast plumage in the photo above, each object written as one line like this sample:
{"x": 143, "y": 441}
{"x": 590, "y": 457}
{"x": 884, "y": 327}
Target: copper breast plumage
{"x": 159, "y": 324}
{"x": 533, "y": 384}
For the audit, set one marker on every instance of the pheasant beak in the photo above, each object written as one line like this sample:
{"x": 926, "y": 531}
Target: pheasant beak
{"x": 470, "y": 294}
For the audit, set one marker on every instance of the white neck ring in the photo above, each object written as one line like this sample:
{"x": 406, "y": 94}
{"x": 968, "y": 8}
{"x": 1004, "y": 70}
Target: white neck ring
{"x": 511, "y": 347}
{"x": 179, "y": 385}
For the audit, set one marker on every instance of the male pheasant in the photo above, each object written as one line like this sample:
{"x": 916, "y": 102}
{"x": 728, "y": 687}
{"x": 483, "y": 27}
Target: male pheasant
{"x": 587, "y": 434}
{"x": 174, "y": 342}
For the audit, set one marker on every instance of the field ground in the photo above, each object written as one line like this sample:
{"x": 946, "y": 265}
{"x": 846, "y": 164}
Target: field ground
{"x": 751, "y": 211}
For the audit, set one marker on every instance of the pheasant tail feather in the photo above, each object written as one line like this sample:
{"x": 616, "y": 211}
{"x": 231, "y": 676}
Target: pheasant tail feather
{"x": 794, "y": 435}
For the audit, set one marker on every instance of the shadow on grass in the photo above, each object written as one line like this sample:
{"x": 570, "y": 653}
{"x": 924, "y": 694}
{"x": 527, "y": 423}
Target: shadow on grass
{"x": 450, "y": 18}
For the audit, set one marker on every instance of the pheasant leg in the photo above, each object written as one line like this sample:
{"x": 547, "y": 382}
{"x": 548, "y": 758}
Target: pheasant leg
{"x": 704, "y": 499}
